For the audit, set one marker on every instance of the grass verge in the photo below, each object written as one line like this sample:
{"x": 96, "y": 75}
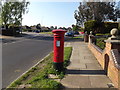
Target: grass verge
{"x": 77, "y": 37}
{"x": 38, "y": 76}
{"x": 46, "y": 33}
{"x": 102, "y": 34}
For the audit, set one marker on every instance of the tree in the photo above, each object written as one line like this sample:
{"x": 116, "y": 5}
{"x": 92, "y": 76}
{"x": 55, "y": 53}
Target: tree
{"x": 75, "y": 27}
{"x": 99, "y": 11}
{"x": 12, "y": 12}
{"x": 39, "y": 26}
{"x": 55, "y": 27}
{"x": 52, "y": 28}
{"x": 0, "y": 13}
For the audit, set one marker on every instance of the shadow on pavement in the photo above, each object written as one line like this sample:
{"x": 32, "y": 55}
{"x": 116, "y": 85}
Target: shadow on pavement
{"x": 39, "y": 37}
{"x": 25, "y": 36}
{"x": 86, "y": 72}
{"x": 7, "y": 40}
{"x": 50, "y": 38}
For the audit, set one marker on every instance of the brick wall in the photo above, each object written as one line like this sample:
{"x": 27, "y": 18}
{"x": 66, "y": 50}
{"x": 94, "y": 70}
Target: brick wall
{"x": 109, "y": 60}
{"x": 113, "y": 72}
{"x": 97, "y": 53}
{"x": 119, "y": 79}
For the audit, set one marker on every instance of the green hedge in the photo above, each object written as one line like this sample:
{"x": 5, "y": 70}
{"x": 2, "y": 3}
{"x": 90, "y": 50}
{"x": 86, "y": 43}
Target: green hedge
{"x": 119, "y": 28}
{"x": 75, "y": 28}
{"x": 108, "y": 26}
{"x": 100, "y": 43}
{"x": 103, "y": 27}
{"x": 90, "y": 25}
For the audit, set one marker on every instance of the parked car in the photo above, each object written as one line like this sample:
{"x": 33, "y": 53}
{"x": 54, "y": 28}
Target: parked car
{"x": 37, "y": 31}
{"x": 69, "y": 34}
{"x": 81, "y": 32}
{"x": 76, "y": 32}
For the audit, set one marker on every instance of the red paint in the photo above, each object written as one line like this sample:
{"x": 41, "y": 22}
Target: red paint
{"x": 58, "y": 50}
{"x": 81, "y": 32}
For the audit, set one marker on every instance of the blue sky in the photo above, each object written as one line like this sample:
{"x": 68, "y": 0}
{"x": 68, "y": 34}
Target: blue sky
{"x": 51, "y": 13}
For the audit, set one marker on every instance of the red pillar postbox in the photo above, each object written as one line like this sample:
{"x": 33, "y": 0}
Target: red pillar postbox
{"x": 58, "y": 49}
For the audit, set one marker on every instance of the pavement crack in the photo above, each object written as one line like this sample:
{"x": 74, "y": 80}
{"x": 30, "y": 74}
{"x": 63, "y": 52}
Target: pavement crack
{"x": 86, "y": 66}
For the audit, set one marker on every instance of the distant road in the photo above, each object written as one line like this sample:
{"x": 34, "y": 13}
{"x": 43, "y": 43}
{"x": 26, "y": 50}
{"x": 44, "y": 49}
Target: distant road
{"x": 19, "y": 56}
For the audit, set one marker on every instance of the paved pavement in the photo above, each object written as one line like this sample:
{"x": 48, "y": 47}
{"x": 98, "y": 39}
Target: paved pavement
{"x": 84, "y": 70}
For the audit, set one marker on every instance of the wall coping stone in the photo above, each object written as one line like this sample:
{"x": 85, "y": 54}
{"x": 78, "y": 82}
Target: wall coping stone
{"x": 97, "y": 48}
{"x": 114, "y": 32}
{"x": 112, "y": 41}
{"x": 116, "y": 59}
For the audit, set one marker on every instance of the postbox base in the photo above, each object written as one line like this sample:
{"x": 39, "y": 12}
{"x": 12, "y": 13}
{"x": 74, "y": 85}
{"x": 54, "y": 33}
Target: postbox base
{"x": 58, "y": 66}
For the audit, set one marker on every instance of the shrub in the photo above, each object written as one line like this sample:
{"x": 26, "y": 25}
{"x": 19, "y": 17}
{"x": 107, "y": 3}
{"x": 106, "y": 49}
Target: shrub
{"x": 11, "y": 30}
{"x": 81, "y": 29}
{"x": 100, "y": 43}
{"x": 108, "y": 26}
{"x": 75, "y": 27}
{"x": 90, "y": 25}
{"x": 99, "y": 27}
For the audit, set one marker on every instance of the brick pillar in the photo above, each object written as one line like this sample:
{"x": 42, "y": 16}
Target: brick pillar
{"x": 119, "y": 80}
{"x": 86, "y": 37}
{"x": 92, "y": 38}
{"x": 113, "y": 42}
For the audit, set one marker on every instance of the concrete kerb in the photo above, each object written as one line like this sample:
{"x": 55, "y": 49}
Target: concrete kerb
{"x": 30, "y": 68}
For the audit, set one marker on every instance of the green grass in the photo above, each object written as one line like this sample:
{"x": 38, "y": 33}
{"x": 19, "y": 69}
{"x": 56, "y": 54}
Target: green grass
{"x": 67, "y": 55}
{"x": 103, "y": 34}
{"x": 100, "y": 43}
{"x": 46, "y": 32}
{"x": 37, "y": 77}
{"x": 77, "y": 37}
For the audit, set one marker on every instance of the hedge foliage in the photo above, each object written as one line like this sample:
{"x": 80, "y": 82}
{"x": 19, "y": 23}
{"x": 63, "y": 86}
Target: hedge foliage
{"x": 96, "y": 27}
{"x": 90, "y": 25}
{"x": 76, "y": 28}
{"x": 110, "y": 25}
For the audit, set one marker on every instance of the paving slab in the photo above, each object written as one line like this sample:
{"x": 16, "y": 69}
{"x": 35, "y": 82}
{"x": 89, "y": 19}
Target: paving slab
{"x": 84, "y": 71}
{"x": 77, "y": 66}
{"x": 92, "y": 66}
{"x": 87, "y": 61}
{"x": 78, "y": 82}
{"x": 99, "y": 81}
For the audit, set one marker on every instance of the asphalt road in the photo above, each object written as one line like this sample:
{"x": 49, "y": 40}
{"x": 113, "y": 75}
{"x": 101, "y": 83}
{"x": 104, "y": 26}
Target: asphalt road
{"x": 19, "y": 56}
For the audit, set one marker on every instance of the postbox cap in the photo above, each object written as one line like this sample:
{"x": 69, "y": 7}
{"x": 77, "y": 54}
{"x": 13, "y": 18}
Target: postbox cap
{"x": 59, "y": 30}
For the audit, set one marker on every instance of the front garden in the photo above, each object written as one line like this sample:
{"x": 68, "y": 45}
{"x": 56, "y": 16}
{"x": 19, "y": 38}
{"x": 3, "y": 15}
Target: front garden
{"x": 101, "y": 30}
{"x": 100, "y": 42}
